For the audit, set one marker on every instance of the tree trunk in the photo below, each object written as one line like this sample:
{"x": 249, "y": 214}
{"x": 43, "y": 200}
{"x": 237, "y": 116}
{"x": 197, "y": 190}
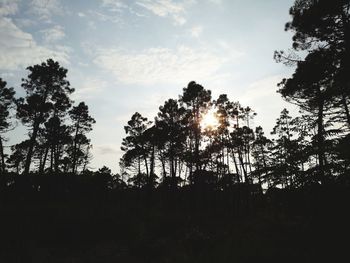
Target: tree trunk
{"x": 151, "y": 168}
{"x": 197, "y": 152}
{"x": 146, "y": 165}
{"x": 139, "y": 165}
{"x": 228, "y": 160}
{"x": 264, "y": 159}
{"x": 74, "y": 157}
{"x": 197, "y": 139}
{"x": 3, "y": 167}
{"x": 31, "y": 146}
{"x": 42, "y": 168}
{"x": 163, "y": 166}
{"x": 57, "y": 157}
{"x": 320, "y": 137}
{"x": 240, "y": 158}
{"x": 51, "y": 158}
{"x": 236, "y": 167}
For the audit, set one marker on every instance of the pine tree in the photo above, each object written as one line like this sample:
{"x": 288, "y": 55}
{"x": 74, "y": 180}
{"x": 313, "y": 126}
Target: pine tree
{"x": 82, "y": 123}
{"x": 46, "y": 87}
{"x": 6, "y": 102}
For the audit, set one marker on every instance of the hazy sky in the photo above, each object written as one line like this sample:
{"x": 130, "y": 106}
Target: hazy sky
{"x": 131, "y": 55}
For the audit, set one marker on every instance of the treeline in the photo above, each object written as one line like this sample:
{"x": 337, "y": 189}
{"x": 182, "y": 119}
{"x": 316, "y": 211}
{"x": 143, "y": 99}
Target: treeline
{"x": 57, "y": 130}
{"x": 177, "y": 148}
{"x": 312, "y": 148}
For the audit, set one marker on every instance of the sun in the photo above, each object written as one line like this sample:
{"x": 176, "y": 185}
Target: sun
{"x": 209, "y": 120}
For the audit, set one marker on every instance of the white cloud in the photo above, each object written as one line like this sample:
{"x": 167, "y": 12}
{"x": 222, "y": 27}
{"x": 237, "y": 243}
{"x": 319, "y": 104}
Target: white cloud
{"x": 162, "y": 7}
{"x": 114, "y": 5}
{"x": 53, "y": 34}
{"x": 88, "y": 88}
{"x": 167, "y": 8}
{"x": 107, "y": 149}
{"x": 19, "y": 49}
{"x": 81, "y": 14}
{"x": 161, "y": 65}
{"x": 24, "y": 22}
{"x": 105, "y": 18}
{"x": 196, "y": 31}
{"x": 8, "y": 7}
{"x": 45, "y": 9}
{"x": 176, "y": 10}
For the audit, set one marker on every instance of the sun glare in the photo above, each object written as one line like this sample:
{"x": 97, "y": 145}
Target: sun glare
{"x": 209, "y": 120}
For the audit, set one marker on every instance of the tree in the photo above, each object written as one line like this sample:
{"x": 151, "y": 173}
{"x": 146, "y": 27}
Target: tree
{"x": 82, "y": 123}
{"x": 260, "y": 153}
{"x": 224, "y": 110}
{"x": 16, "y": 160}
{"x": 58, "y": 137}
{"x": 321, "y": 81}
{"x": 46, "y": 89}
{"x": 240, "y": 140}
{"x": 325, "y": 25}
{"x": 308, "y": 87}
{"x": 197, "y": 101}
{"x": 284, "y": 151}
{"x": 169, "y": 125}
{"x": 6, "y": 102}
{"x": 134, "y": 145}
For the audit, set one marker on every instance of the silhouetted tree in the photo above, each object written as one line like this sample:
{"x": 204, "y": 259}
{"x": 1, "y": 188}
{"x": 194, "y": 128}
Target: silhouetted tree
{"x": 171, "y": 134}
{"x": 16, "y": 160}
{"x": 82, "y": 124}
{"x": 46, "y": 87}
{"x": 223, "y": 112}
{"x": 197, "y": 101}
{"x": 284, "y": 151}
{"x": 260, "y": 153}
{"x": 6, "y": 101}
{"x": 134, "y": 144}
{"x": 320, "y": 84}
{"x": 309, "y": 87}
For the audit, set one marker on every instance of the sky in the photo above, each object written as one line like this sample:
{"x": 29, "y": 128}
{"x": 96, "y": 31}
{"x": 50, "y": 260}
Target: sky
{"x": 125, "y": 56}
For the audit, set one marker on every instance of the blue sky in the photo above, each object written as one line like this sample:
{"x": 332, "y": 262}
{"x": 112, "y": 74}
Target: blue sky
{"x": 131, "y": 55}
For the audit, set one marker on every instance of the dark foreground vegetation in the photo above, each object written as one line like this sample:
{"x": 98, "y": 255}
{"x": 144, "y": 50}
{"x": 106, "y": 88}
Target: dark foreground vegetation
{"x": 81, "y": 219}
{"x": 188, "y": 190}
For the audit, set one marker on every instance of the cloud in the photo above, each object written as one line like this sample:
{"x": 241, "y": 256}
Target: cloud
{"x": 161, "y": 65}
{"x": 88, "y": 88}
{"x": 167, "y": 8}
{"x": 106, "y": 150}
{"x": 196, "y": 31}
{"x": 19, "y": 49}
{"x": 8, "y": 7}
{"x": 24, "y": 22}
{"x": 176, "y": 10}
{"x": 53, "y": 34}
{"x": 114, "y": 5}
{"x": 104, "y": 17}
{"x": 45, "y": 9}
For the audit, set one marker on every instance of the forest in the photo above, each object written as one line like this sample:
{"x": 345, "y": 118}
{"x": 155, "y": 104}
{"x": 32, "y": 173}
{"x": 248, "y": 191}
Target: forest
{"x": 198, "y": 182}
